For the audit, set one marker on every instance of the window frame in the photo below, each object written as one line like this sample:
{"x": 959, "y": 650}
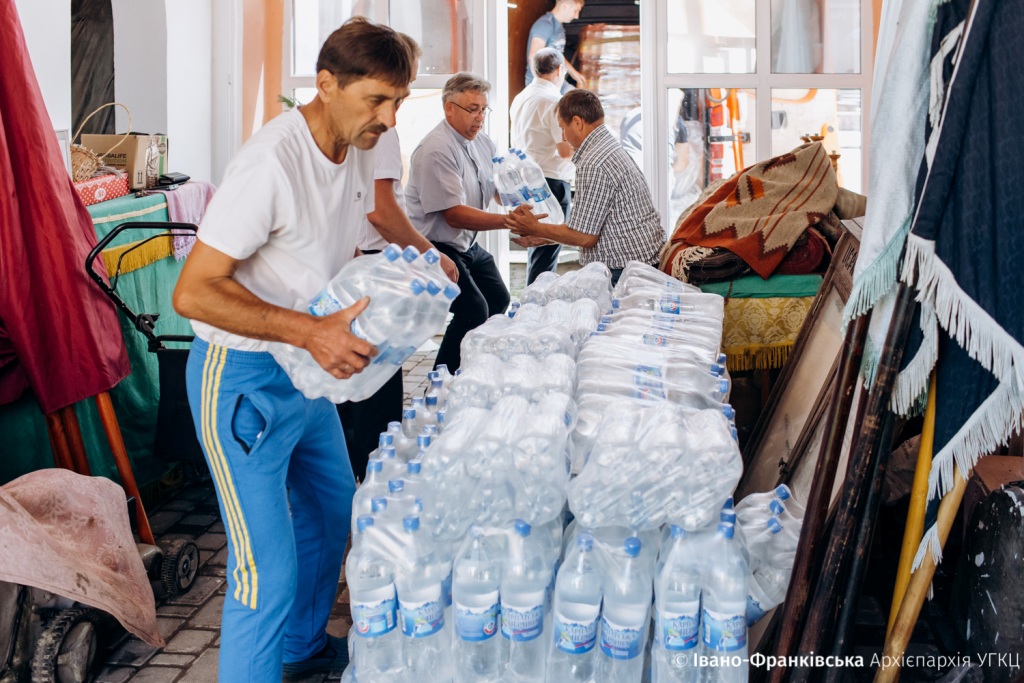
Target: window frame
{"x": 656, "y": 81}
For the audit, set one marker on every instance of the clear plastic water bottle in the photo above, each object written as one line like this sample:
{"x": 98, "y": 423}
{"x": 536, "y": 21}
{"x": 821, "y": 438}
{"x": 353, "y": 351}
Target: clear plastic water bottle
{"x": 769, "y": 579}
{"x": 509, "y": 182}
{"x": 428, "y": 656}
{"x": 540, "y": 194}
{"x": 677, "y": 616}
{"x": 625, "y": 618}
{"x": 475, "y": 585}
{"x": 577, "y": 607}
{"x": 523, "y": 587}
{"x": 377, "y": 642}
{"x": 724, "y": 610}
{"x": 373, "y": 485}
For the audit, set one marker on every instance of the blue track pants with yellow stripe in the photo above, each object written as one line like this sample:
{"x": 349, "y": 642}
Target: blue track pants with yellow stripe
{"x": 285, "y": 488}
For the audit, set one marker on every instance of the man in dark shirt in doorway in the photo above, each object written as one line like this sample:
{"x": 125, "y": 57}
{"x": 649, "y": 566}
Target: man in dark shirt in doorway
{"x": 549, "y": 32}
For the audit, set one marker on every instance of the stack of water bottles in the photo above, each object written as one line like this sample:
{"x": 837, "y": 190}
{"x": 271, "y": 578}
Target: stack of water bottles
{"x": 409, "y": 300}
{"x": 520, "y": 182}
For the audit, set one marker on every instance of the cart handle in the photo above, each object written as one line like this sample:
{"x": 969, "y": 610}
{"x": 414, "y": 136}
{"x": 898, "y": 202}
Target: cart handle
{"x": 144, "y": 322}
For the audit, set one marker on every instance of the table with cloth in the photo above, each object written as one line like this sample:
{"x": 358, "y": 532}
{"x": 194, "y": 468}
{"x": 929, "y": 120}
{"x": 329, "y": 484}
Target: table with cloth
{"x": 763, "y": 318}
{"x": 147, "y": 280}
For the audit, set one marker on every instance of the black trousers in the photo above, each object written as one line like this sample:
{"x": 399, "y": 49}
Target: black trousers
{"x": 545, "y": 259}
{"x": 363, "y": 421}
{"x": 483, "y": 294}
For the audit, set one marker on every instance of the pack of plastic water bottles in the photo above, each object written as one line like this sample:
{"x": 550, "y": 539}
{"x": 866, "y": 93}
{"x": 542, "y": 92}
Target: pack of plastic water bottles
{"x": 520, "y": 181}
{"x": 409, "y": 300}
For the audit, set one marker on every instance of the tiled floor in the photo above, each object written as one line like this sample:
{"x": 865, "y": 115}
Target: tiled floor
{"x": 190, "y": 623}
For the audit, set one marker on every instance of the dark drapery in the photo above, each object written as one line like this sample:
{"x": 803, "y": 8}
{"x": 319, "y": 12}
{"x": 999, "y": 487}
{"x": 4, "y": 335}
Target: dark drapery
{"x": 92, "y": 64}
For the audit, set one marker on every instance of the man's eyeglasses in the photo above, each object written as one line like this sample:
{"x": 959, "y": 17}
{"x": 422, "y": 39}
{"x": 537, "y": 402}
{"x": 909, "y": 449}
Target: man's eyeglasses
{"x": 474, "y": 111}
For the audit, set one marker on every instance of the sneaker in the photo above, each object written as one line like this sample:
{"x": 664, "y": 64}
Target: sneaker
{"x": 332, "y": 658}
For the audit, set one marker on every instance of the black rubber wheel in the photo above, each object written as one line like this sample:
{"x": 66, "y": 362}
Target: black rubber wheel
{"x": 178, "y": 567}
{"x": 67, "y": 647}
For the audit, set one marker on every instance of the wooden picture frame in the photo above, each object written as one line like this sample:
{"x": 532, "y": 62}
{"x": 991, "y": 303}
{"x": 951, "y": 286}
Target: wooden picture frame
{"x": 786, "y": 441}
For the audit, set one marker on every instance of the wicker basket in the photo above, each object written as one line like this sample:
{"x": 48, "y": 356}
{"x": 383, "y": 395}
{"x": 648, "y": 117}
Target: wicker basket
{"x": 85, "y": 162}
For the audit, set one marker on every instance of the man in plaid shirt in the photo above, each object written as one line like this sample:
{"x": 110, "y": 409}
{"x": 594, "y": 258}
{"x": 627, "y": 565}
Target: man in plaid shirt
{"x": 613, "y": 218}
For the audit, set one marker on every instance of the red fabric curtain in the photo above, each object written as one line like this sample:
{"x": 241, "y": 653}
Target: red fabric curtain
{"x": 59, "y": 334}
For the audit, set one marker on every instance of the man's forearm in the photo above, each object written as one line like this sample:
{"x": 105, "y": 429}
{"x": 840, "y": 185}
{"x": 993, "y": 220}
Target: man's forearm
{"x": 464, "y": 217}
{"x": 563, "y": 234}
{"x": 393, "y": 225}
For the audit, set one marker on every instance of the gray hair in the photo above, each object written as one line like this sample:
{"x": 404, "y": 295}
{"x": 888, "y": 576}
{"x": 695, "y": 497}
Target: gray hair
{"x": 547, "y": 60}
{"x": 463, "y": 82}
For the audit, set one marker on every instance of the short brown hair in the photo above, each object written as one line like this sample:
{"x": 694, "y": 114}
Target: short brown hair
{"x": 362, "y": 49}
{"x": 581, "y": 103}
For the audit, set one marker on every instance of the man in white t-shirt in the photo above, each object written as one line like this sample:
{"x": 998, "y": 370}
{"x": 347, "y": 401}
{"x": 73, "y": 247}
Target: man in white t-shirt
{"x": 363, "y": 421}
{"x": 285, "y": 220}
{"x": 535, "y": 130}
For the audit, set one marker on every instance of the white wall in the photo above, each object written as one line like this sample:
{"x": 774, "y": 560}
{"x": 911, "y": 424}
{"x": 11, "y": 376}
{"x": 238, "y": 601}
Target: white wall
{"x": 226, "y": 85}
{"x": 189, "y": 88}
{"x": 47, "y": 26}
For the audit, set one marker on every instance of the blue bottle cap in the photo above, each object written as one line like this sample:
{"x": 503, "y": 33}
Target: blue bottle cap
{"x": 396, "y": 485}
{"x": 717, "y": 369}
{"x": 432, "y": 256}
{"x": 418, "y": 504}
{"x": 431, "y": 431}
{"x": 721, "y": 359}
{"x": 632, "y": 546}
{"x": 606, "y": 319}
{"x": 727, "y": 516}
{"x": 374, "y": 465}
{"x": 728, "y": 504}
{"x": 437, "y": 382}
{"x": 451, "y": 291}
{"x": 774, "y": 525}
{"x": 727, "y": 409}
{"x": 386, "y": 439}
{"x": 394, "y": 426}
{"x": 776, "y": 507}
{"x": 410, "y": 253}
{"x": 602, "y": 327}
{"x": 585, "y": 541}
{"x": 408, "y": 413}
{"x": 431, "y": 400}
{"x": 433, "y": 289}
{"x": 417, "y": 401}
{"x": 726, "y": 530}
{"x": 413, "y": 466}
{"x": 782, "y": 492}
{"x": 735, "y": 434}
{"x": 440, "y": 417}
{"x": 615, "y": 303}
{"x": 392, "y": 252}
{"x": 678, "y": 532}
{"x": 723, "y": 388}
{"x": 442, "y": 367}
{"x": 387, "y": 452}
{"x": 522, "y": 528}
{"x": 379, "y": 504}
{"x": 411, "y": 523}
{"x": 364, "y": 522}
{"x": 417, "y": 287}
{"x": 497, "y": 160}
{"x": 423, "y": 441}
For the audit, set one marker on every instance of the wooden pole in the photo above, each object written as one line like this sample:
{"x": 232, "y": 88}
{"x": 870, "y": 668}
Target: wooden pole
{"x": 124, "y": 466}
{"x": 58, "y": 441}
{"x": 794, "y": 608}
{"x": 918, "y": 505}
{"x": 69, "y": 418}
{"x": 864, "y": 459}
{"x": 917, "y": 589}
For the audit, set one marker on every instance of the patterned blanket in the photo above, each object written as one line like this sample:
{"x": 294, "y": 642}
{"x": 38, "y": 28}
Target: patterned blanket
{"x": 761, "y": 212}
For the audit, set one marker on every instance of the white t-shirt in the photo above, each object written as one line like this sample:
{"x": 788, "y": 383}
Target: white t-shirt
{"x": 535, "y": 128}
{"x": 389, "y": 167}
{"x": 289, "y": 214}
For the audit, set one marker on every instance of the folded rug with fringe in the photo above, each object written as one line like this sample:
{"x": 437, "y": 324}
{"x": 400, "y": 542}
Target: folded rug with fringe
{"x": 761, "y": 212}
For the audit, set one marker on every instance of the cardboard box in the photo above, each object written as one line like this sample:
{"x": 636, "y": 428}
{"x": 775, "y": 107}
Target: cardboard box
{"x": 129, "y": 156}
{"x": 102, "y": 188}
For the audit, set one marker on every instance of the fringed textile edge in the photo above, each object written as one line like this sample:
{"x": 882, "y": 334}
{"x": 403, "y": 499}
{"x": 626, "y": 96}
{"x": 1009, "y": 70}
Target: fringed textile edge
{"x": 910, "y": 389}
{"x": 740, "y": 358}
{"x": 879, "y": 278}
{"x": 930, "y": 543}
{"x": 135, "y": 256}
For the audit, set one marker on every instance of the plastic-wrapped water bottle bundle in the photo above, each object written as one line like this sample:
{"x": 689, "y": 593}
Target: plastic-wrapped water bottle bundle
{"x": 590, "y": 283}
{"x": 520, "y": 181}
{"x": 655, "y": 465}
{"x": 770, "y": 523}
{"x": 409, "y": 300}
{"x": 488, "y": 379}
{"x": 504, "y": 337}
{"x": 636, "y": 276}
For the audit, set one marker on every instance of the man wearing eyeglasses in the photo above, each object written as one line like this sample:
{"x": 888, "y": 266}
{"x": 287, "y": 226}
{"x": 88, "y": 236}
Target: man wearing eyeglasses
{"x": 450, "y": 185}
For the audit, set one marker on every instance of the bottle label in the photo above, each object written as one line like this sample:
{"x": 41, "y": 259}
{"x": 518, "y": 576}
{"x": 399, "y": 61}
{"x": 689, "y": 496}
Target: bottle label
{"x": 373, "y": 619}
{"x": 422, "y": 619}
{"x": 680, "y": 630}
{"x": 648, "y": 383}
{"x": 324, "y": 303}
{"x": 540, "y": 193}
{"x": 398, "y": 356}
{"x": 724, "y": 631}
{"x": 575, "y": 637}
{"x": 754, "y": 611}
{"x": 654, "y": 340}
{"x": 621, "y": 642}
{"x": 477, "y": 624}
{"x": 669, "y": 303}
{"x": 521, "y": 623}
